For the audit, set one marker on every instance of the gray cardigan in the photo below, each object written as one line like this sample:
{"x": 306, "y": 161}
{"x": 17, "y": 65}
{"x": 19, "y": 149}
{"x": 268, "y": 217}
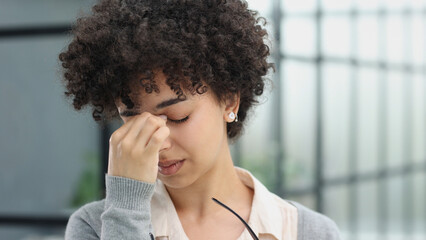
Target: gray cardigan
{"x": 125, "y": 214}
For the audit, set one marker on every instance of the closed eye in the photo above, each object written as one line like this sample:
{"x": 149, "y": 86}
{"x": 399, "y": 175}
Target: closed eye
{"x": 131, "y": 114}
{"x": 179, "y": 120}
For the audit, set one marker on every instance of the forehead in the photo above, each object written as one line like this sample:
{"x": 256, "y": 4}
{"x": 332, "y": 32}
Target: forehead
{"x": 161, "y": 93}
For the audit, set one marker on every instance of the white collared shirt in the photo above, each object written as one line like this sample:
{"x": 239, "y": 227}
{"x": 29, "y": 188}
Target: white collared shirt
{"x": 270, "y": 218}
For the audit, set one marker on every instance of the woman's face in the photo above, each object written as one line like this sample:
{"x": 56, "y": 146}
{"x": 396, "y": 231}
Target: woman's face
{"x": 197, "y": 131}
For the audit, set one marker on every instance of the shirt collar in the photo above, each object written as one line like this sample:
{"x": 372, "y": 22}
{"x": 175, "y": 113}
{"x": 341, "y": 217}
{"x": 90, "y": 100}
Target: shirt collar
{"x": 265, "y": 216}
{"x": 165, "y": 219}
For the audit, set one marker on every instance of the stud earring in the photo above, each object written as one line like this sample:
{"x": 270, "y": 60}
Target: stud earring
{"x": 233, "y": 117}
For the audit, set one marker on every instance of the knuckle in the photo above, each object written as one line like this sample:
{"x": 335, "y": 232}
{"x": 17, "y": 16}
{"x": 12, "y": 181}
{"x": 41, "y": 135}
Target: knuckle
{"x": 114, "y": 137}
{"x": 145, "y": 115}
{"x": 152, "y": 121}
{"x": 126, "y": 144}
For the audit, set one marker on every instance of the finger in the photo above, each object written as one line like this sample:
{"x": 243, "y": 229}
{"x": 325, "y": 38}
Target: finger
{"x": 137, "y": 126}
{"x": 157, "y": 139}
{"x": 118, "y": 135}
{"x": 152, "y": 124}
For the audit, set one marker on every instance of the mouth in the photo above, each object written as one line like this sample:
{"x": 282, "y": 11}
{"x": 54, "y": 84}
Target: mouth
{"x": 170, "y": 167}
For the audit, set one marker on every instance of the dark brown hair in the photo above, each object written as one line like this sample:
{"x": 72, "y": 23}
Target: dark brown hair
{"x": 196, "y": 43}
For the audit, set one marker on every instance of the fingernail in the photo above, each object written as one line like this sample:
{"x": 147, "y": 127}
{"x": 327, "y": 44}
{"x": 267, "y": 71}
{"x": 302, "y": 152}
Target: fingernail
{"x": 163, "y": 117}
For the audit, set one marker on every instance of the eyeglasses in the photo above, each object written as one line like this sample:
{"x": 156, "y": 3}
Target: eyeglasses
{"x": 253, "y": 235}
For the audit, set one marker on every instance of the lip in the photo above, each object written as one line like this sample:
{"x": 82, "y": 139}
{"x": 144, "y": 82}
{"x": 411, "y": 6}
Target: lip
{"x": 169, "y": 167}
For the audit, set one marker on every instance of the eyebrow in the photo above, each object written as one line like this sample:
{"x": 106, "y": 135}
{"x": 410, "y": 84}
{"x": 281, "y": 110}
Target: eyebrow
{"x": 129, "y": 113}
{"x": 169, "y": 102}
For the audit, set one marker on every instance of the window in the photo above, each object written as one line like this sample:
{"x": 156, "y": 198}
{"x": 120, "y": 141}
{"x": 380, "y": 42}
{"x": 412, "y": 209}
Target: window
{"x": 349, "y": 103}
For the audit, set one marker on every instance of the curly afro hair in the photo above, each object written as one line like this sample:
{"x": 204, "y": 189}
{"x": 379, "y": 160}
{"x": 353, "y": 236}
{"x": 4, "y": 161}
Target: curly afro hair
{"x": 200, "y": 45}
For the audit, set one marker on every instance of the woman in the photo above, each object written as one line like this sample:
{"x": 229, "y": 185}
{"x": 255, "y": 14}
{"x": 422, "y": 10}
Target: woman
{"x": 182, "y": 75}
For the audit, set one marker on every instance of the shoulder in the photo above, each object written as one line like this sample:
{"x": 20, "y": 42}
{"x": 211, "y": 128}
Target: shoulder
{"x": 311, "y": 223}
{"x": 87, "y": 220}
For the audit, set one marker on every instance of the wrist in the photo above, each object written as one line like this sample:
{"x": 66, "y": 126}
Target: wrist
{"x": 128, "y": 193}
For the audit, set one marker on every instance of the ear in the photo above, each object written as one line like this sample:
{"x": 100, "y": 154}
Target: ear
{"x": 232, "y": 104}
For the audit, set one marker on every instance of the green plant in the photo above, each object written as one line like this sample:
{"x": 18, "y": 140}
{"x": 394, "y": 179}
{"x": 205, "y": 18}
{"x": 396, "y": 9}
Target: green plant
{"x": 88, "y": 186}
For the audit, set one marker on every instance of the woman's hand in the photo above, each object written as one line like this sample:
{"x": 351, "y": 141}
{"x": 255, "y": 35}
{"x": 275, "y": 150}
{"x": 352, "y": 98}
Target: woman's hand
{"x": 134, "y": 147}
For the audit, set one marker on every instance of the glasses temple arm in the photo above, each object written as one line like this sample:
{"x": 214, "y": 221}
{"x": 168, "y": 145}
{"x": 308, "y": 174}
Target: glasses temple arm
{"x": 238, "y": 216}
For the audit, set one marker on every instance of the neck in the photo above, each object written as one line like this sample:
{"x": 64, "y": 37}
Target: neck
{"x": 221, "y": 182}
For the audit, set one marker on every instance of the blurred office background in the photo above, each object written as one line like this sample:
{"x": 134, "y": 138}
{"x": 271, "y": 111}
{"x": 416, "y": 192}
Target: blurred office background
{"x": 342, "y": 130}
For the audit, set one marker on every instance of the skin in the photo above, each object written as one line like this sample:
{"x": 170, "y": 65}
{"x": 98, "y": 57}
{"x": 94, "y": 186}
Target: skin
{"x": 146, "y": 138}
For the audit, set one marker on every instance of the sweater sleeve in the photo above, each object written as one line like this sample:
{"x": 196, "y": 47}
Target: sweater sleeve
{"x": 126, "y": 213}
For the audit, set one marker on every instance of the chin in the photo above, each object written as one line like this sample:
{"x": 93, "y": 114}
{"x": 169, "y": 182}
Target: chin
{"x": 176, "y": 182}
